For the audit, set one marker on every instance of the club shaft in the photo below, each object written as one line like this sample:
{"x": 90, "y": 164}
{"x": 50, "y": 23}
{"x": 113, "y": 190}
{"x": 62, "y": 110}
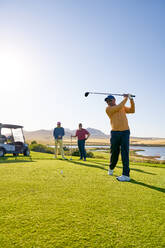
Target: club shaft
{"x": 100, "y": 93}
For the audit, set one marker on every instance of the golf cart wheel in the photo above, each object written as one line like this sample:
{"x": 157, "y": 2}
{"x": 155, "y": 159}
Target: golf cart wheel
{"x": 26, "y": 152}
{"x": 2, "y": 152}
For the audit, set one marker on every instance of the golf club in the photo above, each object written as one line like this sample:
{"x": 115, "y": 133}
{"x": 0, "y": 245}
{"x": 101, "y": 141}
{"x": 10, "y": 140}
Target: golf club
{"x": 71, "y": 149}
{"x": 99, "y": 93}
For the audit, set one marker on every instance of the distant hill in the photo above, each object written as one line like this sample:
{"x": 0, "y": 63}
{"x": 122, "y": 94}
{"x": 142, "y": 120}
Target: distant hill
{"x": 38, "y": 135}
{"x": 95, "y": 133}
{"x": 47, "y": 135}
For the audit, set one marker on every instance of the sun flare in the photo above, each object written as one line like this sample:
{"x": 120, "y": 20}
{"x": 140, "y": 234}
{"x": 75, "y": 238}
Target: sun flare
{"x": 12, "y": 66}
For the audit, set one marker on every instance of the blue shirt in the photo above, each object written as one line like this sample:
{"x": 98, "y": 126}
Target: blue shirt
{"x": 58, "y": 132}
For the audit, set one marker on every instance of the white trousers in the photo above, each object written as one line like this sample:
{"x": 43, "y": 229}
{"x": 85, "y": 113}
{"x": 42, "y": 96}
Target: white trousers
{"x": 59, "y": 142}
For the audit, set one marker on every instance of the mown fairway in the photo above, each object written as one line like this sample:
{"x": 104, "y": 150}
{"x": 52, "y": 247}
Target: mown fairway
{"x": 47, "y": 203}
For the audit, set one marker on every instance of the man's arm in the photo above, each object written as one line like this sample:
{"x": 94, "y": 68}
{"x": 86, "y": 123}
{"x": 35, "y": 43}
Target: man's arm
{"x": 54, "y": 132}
{"x": 131, "y": 109}
{"x": 87, "y": 135}
{"x": 73, "y": 136}
{"x": 116, "y": 108}
{"x": 63, "y": 132}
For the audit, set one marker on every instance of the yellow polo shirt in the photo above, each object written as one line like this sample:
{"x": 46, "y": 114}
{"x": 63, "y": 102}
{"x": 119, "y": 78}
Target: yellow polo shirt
{"x": 117, "y": 115}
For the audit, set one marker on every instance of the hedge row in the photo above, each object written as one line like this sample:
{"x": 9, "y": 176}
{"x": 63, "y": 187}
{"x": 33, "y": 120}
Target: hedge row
{"x": 45, "y": 149}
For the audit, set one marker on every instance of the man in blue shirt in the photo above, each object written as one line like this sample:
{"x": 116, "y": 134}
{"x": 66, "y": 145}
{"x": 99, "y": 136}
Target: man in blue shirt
{"x": 58, "y": 134}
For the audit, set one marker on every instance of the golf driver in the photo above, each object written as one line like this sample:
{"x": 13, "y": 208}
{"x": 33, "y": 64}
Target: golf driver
{"x": 99, "y": 93}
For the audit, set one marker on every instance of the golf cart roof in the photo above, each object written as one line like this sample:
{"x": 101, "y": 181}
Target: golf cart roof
{"x": 10, "y": 126}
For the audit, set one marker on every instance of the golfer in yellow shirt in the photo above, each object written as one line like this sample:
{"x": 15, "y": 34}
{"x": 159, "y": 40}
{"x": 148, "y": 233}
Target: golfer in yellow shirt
{"x": 120, "y": 133}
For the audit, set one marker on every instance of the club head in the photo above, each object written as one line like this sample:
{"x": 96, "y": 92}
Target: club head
{"x": 86, "y": 94}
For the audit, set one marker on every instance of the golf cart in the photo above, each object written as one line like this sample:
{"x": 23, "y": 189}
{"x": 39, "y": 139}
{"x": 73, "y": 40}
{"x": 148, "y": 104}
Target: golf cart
{"x": 12, "y": 140}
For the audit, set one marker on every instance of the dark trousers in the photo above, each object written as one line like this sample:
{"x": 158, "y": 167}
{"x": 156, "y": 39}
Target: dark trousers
{"x": 81, "y": 147}
{"x": 120, "y": 142}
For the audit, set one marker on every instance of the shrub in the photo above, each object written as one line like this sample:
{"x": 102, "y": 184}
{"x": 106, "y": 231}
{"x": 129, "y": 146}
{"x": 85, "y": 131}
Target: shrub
{"x": 66, "y": 148}
{"x": 41, "y": 148}
{"x": 45, "y": 149}
{"x": 33, "y": 142}
{"x": 90, "y": 155}
{"x": 77, "y": 153}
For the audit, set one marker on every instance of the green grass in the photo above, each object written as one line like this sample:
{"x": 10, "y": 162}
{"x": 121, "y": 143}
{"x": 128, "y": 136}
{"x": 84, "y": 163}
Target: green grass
{"x": 47, "y": 203}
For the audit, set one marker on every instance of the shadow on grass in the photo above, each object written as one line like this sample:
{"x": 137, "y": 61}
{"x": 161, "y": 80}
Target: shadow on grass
{"x": 148, "y": 186}
{"x": 11, "y": 159}
{"x": 138, "y": 170}
{"x": 86, "y": 164}
{"x": 103, "y": 165}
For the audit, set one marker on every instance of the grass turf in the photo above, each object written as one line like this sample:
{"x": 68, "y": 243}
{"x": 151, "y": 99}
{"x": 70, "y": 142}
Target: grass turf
{"x": 46, "y": 203}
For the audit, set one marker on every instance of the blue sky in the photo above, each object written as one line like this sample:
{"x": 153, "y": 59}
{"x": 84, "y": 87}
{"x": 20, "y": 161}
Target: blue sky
{"x": 52, "y": 52}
